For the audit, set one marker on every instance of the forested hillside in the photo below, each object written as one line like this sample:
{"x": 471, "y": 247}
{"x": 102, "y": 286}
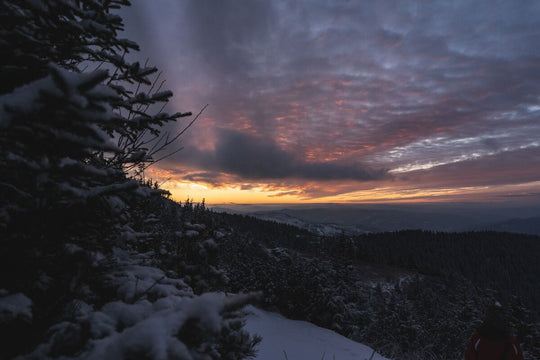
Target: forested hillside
{"x": 411, "y": 294}
{"x": 504, "y": 262}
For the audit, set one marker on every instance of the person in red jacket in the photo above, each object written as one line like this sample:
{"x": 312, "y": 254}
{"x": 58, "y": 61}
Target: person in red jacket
{"x": 493, "y": 341}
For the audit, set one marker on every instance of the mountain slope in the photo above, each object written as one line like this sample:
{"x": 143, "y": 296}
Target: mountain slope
{"x": 283, "y": 338}
{"x": 403, "y": 293}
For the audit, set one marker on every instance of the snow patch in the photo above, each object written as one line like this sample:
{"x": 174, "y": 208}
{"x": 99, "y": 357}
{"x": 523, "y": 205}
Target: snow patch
{"x": 301, "y": 340}
{"x": 192, "y": 233}
{"x": 13, "y": 306}
{"x": 198, "y": 227}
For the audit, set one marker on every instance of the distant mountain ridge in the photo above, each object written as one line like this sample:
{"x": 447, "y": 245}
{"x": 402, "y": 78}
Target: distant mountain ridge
{"x": 517, "y": 225}
{"x": 333, "y": 219}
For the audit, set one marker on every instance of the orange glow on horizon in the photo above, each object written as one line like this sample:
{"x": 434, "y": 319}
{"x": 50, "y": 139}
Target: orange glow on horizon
{"x": 229, "y": 194}
{"x": 228, "y": 189}
{"x": 260, "y": 195}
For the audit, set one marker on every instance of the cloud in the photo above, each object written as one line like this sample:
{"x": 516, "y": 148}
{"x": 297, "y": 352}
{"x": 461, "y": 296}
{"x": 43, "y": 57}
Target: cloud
{"x": 285, "y": 193}
{"x": 212, "y": 178}
{"x": 255, "y": 157}
{"x": 222, "y": 33}
{"x": 503, "y": 168}
{"x": 314, "y": 89}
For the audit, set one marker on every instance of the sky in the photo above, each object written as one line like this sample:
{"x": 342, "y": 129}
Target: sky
{"x": 348, "y": 101}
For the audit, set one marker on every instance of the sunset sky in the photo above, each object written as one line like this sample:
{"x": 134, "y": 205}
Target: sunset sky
{"x": 349, "y": 101}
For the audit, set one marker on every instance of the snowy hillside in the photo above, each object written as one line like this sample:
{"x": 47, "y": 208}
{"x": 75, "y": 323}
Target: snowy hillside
{"x": 301, "y": 340}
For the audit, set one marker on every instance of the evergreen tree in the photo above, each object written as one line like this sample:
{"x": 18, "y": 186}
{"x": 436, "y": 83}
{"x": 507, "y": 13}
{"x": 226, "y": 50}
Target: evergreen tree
{"x": 79, "y": 124}
{"x": 70, "y": 130}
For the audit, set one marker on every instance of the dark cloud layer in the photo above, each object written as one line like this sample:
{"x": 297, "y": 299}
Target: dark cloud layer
{"x": 254, "y": 157}
{"x": 312, "y": 89}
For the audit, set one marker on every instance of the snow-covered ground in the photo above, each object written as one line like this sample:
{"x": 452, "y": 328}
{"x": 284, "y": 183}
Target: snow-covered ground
{"x": 300, "y": 340}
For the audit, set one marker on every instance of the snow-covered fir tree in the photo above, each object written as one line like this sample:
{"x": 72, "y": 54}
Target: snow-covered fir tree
{"x": 82, "y": 259}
